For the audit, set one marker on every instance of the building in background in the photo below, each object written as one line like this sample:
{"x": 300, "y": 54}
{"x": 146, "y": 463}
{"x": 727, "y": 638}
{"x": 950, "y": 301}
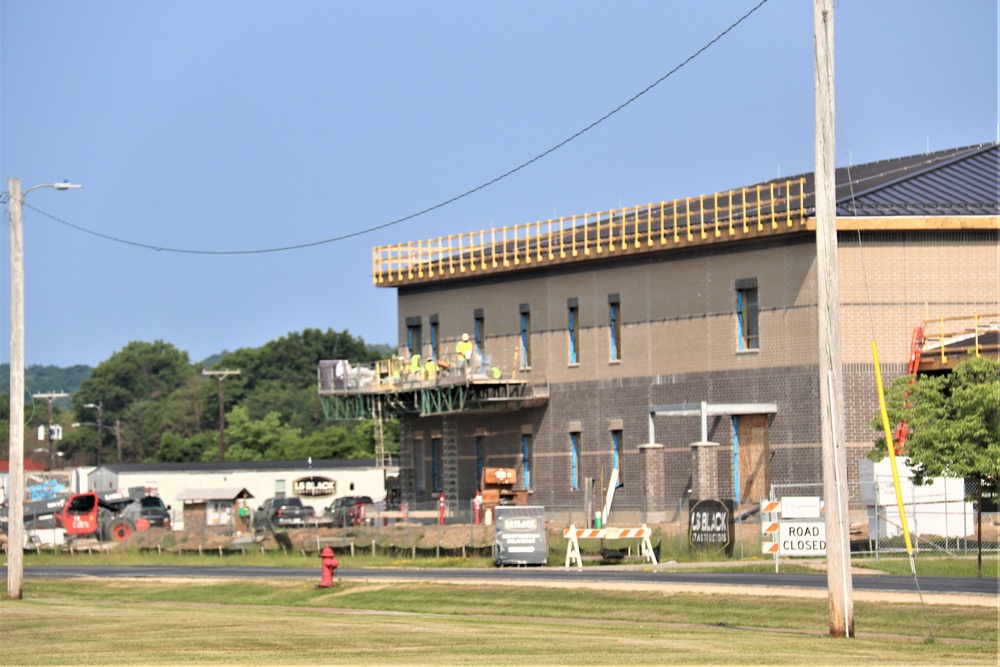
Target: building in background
{"x": 178, "y": 484}
{"x": 692, "y": 319}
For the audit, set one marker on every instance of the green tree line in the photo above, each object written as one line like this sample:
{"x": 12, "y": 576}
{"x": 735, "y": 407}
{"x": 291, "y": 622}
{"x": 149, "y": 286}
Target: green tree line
{"x": 155, "y": 405}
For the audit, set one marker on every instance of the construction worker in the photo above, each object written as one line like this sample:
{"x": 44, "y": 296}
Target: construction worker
{"x": 430, "y": 369}
{"x": 464, "y": 352}
{"x": 416, "y": 373}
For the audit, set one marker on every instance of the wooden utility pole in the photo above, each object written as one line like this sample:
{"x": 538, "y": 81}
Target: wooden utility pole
{"x": 831, "y": 380}
{"x": 221, "y": 375}
{"x": 50, "y": 397}
{"x": 15, "y": 490}
{"x": 15, "y": 486}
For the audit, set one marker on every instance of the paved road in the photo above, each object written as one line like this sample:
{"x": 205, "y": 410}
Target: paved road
{"x": 875, "y": 582}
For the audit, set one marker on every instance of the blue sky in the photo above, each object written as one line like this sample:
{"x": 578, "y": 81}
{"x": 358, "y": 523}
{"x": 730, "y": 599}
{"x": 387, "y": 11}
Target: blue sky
{"x": 234, "y": 126}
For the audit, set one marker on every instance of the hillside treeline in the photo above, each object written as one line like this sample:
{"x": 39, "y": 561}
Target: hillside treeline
{"x": 154, "y": 404}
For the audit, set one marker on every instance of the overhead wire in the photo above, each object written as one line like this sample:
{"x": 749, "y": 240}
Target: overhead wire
{"x": 429, "y": 209}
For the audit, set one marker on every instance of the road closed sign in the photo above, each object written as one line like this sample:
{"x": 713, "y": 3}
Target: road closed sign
{"x": 802, "y": 538}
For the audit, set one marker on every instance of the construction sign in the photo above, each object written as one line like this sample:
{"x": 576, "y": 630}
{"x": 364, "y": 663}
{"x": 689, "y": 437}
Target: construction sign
{"x": 520, "y": 536}
{"x": 710, "y": 525}
{"x": 793, "y": 526}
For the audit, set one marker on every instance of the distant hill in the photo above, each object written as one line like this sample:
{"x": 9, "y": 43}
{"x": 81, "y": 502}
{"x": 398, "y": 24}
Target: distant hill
{"x": 45, "y": 379}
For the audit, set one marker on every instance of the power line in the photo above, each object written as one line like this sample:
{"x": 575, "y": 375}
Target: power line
{"x": 429, "y": 209}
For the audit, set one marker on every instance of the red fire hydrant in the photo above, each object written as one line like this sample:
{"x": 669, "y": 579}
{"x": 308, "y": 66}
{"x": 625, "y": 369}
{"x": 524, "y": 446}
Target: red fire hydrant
{"x": 330, "y": 565}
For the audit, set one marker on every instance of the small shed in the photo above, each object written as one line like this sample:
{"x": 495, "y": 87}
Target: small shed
{"x": 212, "y": 510}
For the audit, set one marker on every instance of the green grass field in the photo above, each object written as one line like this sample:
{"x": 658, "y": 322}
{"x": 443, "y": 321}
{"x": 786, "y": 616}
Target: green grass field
{"x": 86, "y": 622}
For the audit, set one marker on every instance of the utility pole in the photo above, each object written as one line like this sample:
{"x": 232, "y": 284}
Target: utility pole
{"x": 833, "y": 432}
{"x": 100, "y": 426}
{"x": 221, "y": 375}
{"x": 15, "y": 530}
{"x": 50, "y": 397}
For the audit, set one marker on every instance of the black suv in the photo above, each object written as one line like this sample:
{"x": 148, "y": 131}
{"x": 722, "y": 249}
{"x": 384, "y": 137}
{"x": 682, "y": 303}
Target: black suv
{"x": 350, "y": 511}
{"x": 153, "y": 509}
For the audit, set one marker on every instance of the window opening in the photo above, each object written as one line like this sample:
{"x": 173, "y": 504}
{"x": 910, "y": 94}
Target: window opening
{"x": 574, "y": 336}
{"x": 616, "y": 334}
{"x": 747, "y": 313}
{"x": 574, "y": 461}
{"x": 616, "y": 453}
{"x": 525, "y": 339}
{"x": 526, "y": 458}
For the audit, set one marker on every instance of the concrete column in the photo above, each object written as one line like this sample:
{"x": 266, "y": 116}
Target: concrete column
{"x": 654, "y": 480}
{"x": 704, "y": 470}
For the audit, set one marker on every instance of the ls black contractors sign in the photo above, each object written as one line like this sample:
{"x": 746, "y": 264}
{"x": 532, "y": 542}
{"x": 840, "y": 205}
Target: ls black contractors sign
{"x": 710, "y": 525}
{"x": 520, "y": 536}
{"x": 314, "y": 486}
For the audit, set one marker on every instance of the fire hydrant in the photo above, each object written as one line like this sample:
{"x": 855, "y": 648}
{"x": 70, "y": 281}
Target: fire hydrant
{"x": 330, "y": 565}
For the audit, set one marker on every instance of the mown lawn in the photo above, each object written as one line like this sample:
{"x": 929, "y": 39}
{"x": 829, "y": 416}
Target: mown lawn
{"x": 85, "y": 622}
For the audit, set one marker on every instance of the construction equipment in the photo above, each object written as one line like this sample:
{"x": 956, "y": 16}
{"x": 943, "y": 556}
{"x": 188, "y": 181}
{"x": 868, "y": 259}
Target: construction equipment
{"x": 105, "y": 515}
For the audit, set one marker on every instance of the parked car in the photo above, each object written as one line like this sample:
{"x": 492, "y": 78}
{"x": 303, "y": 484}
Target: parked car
{"x": 283, "y": 512}
{"x": 153, "y": 510}
{"x": 349, "y": 511}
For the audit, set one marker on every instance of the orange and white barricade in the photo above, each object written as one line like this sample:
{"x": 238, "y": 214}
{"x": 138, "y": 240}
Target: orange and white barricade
{"x": 574, "y": 535}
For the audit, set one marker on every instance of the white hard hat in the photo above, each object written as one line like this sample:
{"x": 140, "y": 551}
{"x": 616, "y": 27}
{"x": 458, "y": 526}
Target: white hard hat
{"x": 465, "y": 336}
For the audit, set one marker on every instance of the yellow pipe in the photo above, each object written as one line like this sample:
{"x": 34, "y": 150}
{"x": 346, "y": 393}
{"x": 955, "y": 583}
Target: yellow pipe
{"x": 730, "y": 196}
{"x": 975, "y": 319}
{"x": 635, "y": 230}
{"x": 788, "y": 203}
{"x": 743, "y": 203}
{"x": 774, "y": 221}
{"x": 677, "y": 239}
{"x": 760, "y": 217}
{"x": 701, "y": 213}
{"x": 663, "y": 238}
{"x": 649, "y": 224}
{"x": 944, "y": 359}
{"x": 562, "y": 237}
{"x": 715, "y": 212}
{"x": 687, "y": 213}
{"x": 892, "y": 450}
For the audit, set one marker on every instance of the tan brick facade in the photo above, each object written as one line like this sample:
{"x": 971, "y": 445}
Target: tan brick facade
{"x": 680, "y": 344}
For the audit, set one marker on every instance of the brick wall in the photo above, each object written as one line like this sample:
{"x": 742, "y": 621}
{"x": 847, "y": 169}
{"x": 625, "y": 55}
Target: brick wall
{"x": 679, "y": 345}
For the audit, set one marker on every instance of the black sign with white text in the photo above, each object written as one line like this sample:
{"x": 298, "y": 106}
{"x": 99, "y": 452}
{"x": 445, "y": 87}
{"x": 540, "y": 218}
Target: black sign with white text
{"x": 710, "y": 525}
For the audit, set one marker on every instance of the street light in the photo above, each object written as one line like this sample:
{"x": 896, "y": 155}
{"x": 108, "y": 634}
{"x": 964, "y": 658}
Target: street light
{"x": 99, "y": 406}
{"x": 15, "y": 543}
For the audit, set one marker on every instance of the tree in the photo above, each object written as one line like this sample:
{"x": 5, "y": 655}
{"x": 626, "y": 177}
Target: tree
{"x": 954, "y": 424}
{"x": 132, "y": 386}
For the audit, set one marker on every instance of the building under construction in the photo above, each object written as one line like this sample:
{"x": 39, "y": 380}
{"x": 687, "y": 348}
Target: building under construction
{"x": 613, "y": 340}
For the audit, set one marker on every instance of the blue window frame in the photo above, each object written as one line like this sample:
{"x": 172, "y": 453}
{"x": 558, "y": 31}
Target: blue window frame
{"x": 525, "y": 340}
{"x": 747, "y": 316}
{"x": 616, "y": 340}
{"x": 574, "y": 335}
{"x": 414, "y": 339}
{"x": 616, "y": 453}
{"x": 480, "y": 333}
{"x": 574, "y": 461}
{"x": 526, "y": 458}
{"x": 736, "y": 459}
{"x": 434, "y": 340}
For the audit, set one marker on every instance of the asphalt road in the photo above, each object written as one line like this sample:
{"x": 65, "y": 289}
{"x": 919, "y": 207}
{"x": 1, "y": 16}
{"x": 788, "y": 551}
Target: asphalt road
{"x": 875, "y": 582}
